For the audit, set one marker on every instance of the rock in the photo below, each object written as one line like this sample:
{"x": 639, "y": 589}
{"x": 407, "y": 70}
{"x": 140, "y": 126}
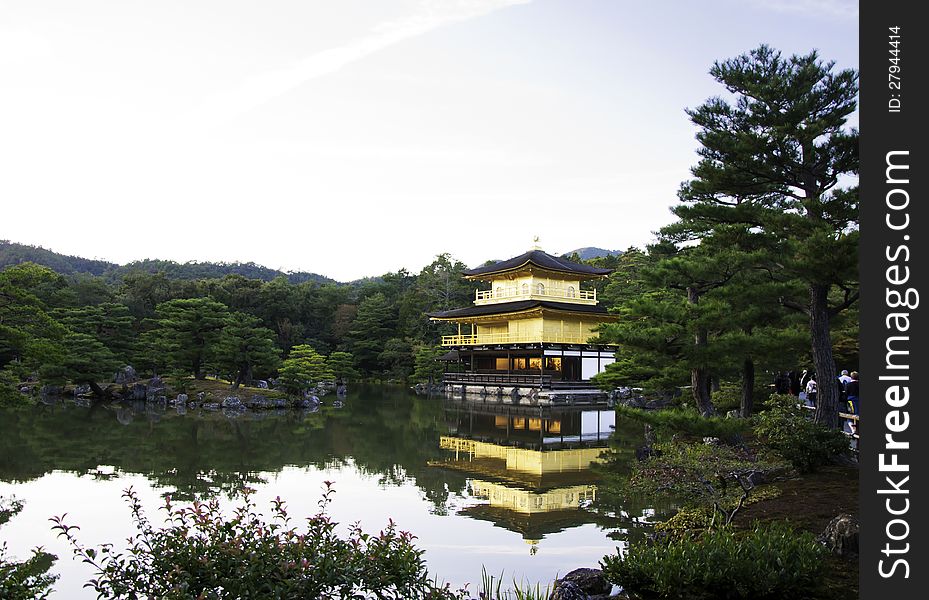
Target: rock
{"x": 841, "y": 536}
{"x": 126, "y": 375}
{"x": 211, "y": 406}
{"x": 633, "y": 402}
{"x": 734, "y": 414}
{"x": 262, "y": 384}
{"x": 590, "y": 581}
{"x": 231, "y": 402}
{"x": 81, "y": 390}
{"x": 25, "y": 389}
{"x": 568, "y": 590}
{"x": 308, "y": 402}
{"x": 156, "y": 387}
{"x": 138, "y": 391}
{"x": 257, "y": 401}
{"x": 201, "y": 396}
{"x": 50, "y": 390}
{"x": 181, "y": 399}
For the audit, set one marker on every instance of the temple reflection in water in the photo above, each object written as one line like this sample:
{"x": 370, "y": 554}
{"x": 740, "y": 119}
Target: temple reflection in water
{"x": 528, "y": 466}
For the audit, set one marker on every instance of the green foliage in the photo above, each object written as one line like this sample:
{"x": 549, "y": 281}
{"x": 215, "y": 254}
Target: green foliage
{"x": 769, "y": 561}
{"x": 186, "y": 331}
{"x": 491, "y": 588}
{"x": 24, "y": 320}
{"x": 397, "y": 358}
{"x": 672, "y": 421}
{"x": 686, "y": 521}
{"x": 9, "y": 394}
{"x": 109, "y": 323}
{"x": 303, "y": 369}
{"x": 712, "y": 476}
{"x": 201, "y": 553}
{"x": 342, "y": 365}
{"x": 787, "y": 429}
{"x": 370, "y": 331}
{"x": 427, "y": 366}
{"x": 770, "y": 165}
{"x": 84, "y": 360}
{"x": 28, "y": 579}
{"x": 244, "y": 347}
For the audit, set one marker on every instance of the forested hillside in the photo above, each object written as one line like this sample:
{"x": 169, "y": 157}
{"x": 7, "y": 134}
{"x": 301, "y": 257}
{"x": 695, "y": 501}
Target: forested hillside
{"x": 12, "y": 253}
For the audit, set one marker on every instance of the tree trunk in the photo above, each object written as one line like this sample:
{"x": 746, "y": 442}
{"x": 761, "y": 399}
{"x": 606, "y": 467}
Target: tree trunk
{"x": 700, "y": 384}
{"x": 98, "y": 392}
{"x": 699, "y": 375}
{"x": 827, "y": 394}
{"x": 748, "y": 388}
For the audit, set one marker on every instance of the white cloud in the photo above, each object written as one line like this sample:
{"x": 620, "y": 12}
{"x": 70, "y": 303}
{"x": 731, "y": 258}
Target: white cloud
{"x": 254, "y": 92}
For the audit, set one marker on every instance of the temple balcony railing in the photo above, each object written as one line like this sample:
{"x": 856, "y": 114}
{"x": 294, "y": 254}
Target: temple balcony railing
{"x": 509, "y": 294}
{"x": 540, "y": 381}
{"x": 480, "y": 339}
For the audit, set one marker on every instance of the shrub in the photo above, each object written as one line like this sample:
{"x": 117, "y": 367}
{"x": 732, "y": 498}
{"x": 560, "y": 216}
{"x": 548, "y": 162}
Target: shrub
{"x": 27, "y": 579}
{"x": 771, "y": 561}
{"x": 202, "y": 554}
{"x": 786, "y": 429}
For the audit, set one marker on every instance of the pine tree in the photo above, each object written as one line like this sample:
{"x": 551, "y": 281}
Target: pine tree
{"x": 342, "y": 365}
{"x": 771, "y": 162}
{"x": 369, "y": 332}
{"x": 84, "y": 361}
{"x": 109, "y": 323}
{"x": 184, "y": 333}
{"x": 243, "y": 347}
{"x": 427, "y": 367}
{"x": 302, "y": 369}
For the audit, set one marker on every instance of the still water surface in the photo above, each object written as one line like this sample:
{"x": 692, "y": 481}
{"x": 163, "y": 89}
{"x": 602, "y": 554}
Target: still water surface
{"x": 478, "y": 484}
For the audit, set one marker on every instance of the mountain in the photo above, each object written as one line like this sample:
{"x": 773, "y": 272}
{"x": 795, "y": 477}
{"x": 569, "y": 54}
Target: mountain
{"x": 12, "y": 253}
{"x": 592, "y": 252}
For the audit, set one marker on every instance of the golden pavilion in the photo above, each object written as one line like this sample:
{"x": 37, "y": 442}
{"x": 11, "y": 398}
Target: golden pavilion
{"x": 529, "y": 334}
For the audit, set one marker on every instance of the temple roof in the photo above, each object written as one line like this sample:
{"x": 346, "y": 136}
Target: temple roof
{"x": 542, "y": 260}
{"x": 511, "y": 307}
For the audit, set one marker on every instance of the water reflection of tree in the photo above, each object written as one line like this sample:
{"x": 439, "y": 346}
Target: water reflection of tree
{"x": 626, "y": 514}
{"x": 384, "y": 432}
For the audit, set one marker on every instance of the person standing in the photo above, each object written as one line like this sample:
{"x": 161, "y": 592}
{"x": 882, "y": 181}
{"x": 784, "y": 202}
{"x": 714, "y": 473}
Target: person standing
{"x": 851, "y": 392}
{"x": 811, "y": 390}
{"x": 844, "y": 378}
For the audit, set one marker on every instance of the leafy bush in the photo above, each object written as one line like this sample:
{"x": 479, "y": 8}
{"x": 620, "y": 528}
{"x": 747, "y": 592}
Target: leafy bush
{"x": 770, "y": 561}
{"x": 786, "y": 429}
{"x": 28, "y": 579}
{"x": 202, "y": 554}
{"x": 696, "y": 473}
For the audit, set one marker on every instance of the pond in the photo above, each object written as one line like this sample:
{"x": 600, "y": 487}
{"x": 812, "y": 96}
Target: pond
{"x": 480, "y": 485}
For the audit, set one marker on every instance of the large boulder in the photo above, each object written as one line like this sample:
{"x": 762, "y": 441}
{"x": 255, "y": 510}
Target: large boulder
{"x": 841, "y": 536}
{"x": 138, "y": 391}
{"x": 590, "y": 582}
{"x": 568, "y": 590}
{"x": 126, "y": 375}
{"x": 231, "y": 402}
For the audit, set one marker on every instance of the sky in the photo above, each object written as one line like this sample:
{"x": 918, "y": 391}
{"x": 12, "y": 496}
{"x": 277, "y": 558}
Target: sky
{"x": 352, "y": 138}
